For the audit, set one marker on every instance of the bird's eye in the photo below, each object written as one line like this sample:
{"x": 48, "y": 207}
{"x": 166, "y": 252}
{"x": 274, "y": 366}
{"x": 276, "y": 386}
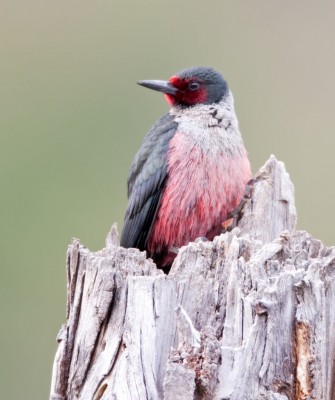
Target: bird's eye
{"x": 194, "y": 86}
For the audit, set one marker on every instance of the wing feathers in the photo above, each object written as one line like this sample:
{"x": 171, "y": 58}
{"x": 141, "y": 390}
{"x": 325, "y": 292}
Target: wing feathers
{"x": 146, "y": 181}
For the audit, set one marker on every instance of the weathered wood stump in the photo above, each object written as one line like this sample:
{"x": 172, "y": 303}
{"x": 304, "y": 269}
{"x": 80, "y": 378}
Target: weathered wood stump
{"x": 247, "y": 316}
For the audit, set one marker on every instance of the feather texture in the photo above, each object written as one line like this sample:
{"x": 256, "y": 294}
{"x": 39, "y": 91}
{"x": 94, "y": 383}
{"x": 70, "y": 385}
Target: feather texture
{"x": 191, "y": 170}
{"x": 145, "y": 183}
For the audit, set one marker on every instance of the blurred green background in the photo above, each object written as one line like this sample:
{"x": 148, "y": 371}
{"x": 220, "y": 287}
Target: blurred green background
{"x": 72, "y": 117}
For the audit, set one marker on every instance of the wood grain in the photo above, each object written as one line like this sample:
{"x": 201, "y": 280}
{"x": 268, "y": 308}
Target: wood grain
{"x": 247, "y": 316}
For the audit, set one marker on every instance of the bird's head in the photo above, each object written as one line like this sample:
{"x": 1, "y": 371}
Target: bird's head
{"x": 191, "y": 86}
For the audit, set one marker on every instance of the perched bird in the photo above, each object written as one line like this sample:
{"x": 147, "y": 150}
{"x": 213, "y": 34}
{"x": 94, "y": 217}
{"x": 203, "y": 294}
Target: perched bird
{"x": 191, "y": 169}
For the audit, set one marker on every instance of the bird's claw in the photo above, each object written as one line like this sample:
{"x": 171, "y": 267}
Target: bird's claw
{"x": 201, "y": 239}
{"x": 235, "y": 215}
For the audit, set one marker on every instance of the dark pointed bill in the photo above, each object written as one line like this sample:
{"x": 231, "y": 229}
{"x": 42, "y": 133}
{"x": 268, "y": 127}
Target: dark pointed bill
{"x": 160, "y": 86}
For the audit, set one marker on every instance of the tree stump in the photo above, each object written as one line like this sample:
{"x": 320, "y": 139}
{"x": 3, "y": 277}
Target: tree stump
{"x": 247, "y": 316}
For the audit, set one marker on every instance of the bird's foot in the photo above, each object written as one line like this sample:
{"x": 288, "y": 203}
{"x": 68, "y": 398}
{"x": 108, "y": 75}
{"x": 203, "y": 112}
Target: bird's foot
{"x": 201, "y": 239}
{"x": 235, "y": 216}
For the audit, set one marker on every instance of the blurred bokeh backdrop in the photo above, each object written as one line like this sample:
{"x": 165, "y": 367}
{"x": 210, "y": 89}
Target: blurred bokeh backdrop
{"x": 72, "y": 117}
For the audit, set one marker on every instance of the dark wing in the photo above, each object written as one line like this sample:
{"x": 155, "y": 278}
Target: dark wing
{"x": 145, "y": 183}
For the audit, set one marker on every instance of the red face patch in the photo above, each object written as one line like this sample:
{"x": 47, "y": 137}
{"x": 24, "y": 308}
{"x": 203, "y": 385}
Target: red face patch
{"x": 186, "y": 94}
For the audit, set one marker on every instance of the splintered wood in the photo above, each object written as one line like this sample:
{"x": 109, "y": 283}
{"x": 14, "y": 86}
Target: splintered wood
{"x": 247, "y": 316}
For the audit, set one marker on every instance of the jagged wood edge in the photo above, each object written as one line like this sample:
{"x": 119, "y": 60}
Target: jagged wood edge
{"x": 199, "y": 359}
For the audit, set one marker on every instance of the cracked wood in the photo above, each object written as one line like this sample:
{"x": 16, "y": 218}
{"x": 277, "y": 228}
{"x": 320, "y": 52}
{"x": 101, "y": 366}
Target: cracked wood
{"x": 247, "y": 316}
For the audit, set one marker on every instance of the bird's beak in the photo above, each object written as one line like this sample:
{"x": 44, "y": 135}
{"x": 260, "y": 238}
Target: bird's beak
{"x": 160, "y": 86}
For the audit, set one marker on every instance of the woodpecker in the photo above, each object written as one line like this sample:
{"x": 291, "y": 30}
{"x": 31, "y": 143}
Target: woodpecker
{"x": 191, "y": 169}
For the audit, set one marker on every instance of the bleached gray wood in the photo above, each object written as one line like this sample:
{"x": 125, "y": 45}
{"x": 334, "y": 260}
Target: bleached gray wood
{"x": 247, "y": 316}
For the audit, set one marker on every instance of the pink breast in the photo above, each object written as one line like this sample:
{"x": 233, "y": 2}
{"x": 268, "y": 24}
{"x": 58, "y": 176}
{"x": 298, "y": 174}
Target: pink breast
{"x": 201, "y": 189}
